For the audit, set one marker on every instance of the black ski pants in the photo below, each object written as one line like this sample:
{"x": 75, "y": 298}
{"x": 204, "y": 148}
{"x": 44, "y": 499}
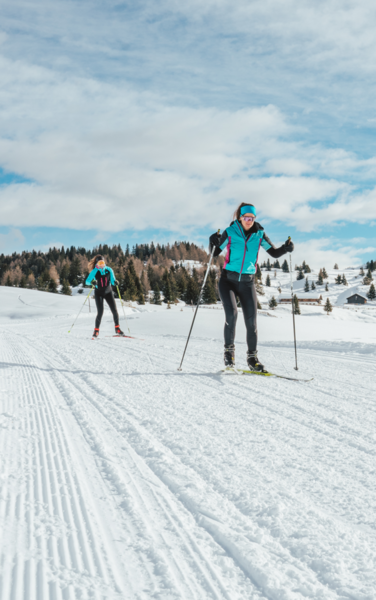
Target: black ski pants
{"x": 99, "y": 301}
{"x": 229, "y": 288}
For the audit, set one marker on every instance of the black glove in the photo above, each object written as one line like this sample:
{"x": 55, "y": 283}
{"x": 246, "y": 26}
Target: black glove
{"x": 289, "y": 246}
{"x": 214, "y": 241}
{"x": 116, "y": 282}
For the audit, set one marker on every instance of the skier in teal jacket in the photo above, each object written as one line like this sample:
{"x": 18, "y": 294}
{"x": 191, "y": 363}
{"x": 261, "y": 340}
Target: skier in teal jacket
{"x": 242, "y": 241}
{"x": 104, "y": 280}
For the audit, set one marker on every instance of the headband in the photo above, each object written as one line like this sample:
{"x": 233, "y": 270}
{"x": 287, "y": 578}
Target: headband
{"x": 249, "y": 208}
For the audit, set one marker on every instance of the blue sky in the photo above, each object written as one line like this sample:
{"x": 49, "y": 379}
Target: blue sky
{"x": 126, "y": 122}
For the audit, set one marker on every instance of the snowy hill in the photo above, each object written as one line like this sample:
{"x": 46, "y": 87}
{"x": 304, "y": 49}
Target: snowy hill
{"x": 122, "y": 478}
{"x": 337, "y": 293}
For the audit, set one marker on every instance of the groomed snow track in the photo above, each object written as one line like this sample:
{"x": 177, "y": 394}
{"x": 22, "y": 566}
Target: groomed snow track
{"x": 122, "y": 478}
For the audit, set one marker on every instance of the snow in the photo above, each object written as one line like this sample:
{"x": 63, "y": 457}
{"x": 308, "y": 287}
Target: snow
{"x": 121, "y": 478}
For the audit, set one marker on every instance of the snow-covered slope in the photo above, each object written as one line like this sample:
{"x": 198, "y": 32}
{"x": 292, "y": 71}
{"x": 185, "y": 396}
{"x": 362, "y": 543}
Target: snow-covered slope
{"x": 122, "y": 478}
{"x": 337, "y": 294}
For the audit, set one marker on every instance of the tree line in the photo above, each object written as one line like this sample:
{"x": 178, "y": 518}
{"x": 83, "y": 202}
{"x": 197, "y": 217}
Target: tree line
{"x": 160, "y": 268}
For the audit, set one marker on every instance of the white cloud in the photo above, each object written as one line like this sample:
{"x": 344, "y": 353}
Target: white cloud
{"x": 11, "y": 241}
{"x": 106, "y": 155}
{"x": 325, "y": 252}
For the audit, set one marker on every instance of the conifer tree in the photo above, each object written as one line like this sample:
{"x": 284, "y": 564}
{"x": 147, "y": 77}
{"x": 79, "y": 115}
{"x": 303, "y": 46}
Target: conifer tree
{"x": 52, "y": 286}
{"x": 181, "y": 282}
{"x": 328, "y": 307}
{"x": 192, "y": 291}
{"x": 258, "y": 273}
{"x": 267, "y": 282}
{"x": 276, "y": 264}
{"x": 320, "y": 280}
{"x": 43, "y": 281}
{"x": 75, "y": 272}
{"x": 327, "y": 287}
{"x": 273, "y": 303}
{"x": 167, "y": 290}
{"x": 361, "y": 272}
{"x": 336, "y": 267}
{"x": 344, "y": 280}
{"x": 371, "y": 295}
{"x": 157, "y": 295}
{"x": 131, "y": 283}
{"x": 313, "y": 287}
{"x": 306, "y": 286}
{"x": 338, "y": 280}
{"x": 209, "y": 296}
{"x": 296, "y": 305}
{"x": 169, "y": 286}
{"x": 8, "y": 282}
{"x": 285, "y": 267}
{"x": 22, "y": 283}
{"x": 268, "y": 265}
{"x": 65, "y": 288}
{"x": 300, "y": 274}
{"x": 324, "y": 274}
{"x": 305, "y": 268}
{"x": 64, "y": 273}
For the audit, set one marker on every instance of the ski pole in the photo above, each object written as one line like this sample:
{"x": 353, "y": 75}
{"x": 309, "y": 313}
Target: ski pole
{"x": 293, "y": 313}
{"x": 121, "y": 302}
{"x": 91, "y": 289}
{"x": 198, "y": 303}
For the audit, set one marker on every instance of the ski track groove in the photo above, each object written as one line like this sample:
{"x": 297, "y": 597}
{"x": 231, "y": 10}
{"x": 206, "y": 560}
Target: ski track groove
{"x": 351, "y": 432}
{"x": 74, "y": 558}
{"x": 87, "y": 381}
{"x": 203, "y": 565}
{"x": 43, "y": 423}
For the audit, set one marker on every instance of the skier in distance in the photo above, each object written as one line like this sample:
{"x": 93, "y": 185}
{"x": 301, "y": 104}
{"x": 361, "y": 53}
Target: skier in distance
{"x": 242, "y": 239}
{"x": 104, "y": 278}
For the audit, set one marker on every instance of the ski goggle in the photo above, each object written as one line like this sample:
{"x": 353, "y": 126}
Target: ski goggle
{"x": 248, "y": 219}
{"x": 100, "y": 264}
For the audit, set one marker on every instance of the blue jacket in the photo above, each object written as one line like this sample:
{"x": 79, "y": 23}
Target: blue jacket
{"x": 242, "y": 250}
{"x": 102, "y": 273}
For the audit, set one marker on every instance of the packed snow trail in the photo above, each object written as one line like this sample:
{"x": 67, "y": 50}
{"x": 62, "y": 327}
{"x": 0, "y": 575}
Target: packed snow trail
{"x": 122, "y": 478}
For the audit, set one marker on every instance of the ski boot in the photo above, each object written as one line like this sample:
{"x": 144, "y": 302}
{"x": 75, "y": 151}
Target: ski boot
{"x": 254, "y": 363}
{"x": 96, "y": 332}
{"x": 118, "y": 331}
{"x": 229, "y": 357}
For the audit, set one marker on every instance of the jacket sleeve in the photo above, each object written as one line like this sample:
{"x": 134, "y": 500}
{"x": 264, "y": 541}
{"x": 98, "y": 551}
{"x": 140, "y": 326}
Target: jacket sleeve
{"x": 112, "y": 276}
{"x": 224, "y": 240}
{"x": 91, "y": 276}
{"x": 220, "y": 242}
{"x": 271, "y": 249}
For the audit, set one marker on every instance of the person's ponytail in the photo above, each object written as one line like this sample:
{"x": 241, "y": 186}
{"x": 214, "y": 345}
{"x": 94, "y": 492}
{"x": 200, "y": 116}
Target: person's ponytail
{"x": 94, "y": 261}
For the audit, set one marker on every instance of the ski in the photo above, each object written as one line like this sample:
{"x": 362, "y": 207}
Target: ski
{"x": 119, "y": 336}
{"x": 124, "y": 336}
{"x": 230, "y": 370}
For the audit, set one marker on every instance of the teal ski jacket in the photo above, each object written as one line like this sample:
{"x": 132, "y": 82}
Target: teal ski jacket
{"x": 242, "y": 249}
{"x": 104, "y": 279}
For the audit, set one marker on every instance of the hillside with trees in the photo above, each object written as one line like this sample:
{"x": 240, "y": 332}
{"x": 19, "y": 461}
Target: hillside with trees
{"x": 160, "y": 268}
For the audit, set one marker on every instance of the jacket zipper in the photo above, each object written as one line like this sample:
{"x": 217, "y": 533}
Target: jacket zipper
{"x": 245, "y": 249}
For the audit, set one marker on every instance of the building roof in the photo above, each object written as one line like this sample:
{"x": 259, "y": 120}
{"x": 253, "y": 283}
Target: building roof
{"x": 356, "y": 294}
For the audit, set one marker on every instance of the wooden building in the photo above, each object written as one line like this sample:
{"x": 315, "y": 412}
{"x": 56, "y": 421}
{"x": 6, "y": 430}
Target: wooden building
{"x": 356, "y": 299}
{"x": 304, "y": 298}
